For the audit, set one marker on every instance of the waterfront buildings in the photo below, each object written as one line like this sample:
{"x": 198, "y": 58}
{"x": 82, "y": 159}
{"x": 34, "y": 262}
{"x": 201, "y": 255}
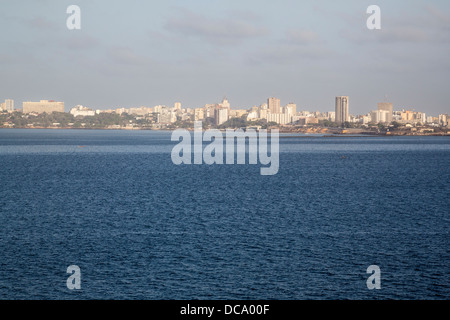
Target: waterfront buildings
{"x": 225, "y": 103}
{"x": 221, "y": 115}
{"x": 444, "y": 120}
{"x": 165, "y": 114}
{"x": 280, "y": 118}
{"x": 43, "y": 106}
{"x": 410, "y": 116}
{"x": 271, "y": 112}
{"x": 8, "y": 105}
{"x": 81, "y": 111}
{"x": 199, "y": 114}
{"x": 380, "y": 116}
{"x": 388, "y": 109}
{"x": 291, "y": 109}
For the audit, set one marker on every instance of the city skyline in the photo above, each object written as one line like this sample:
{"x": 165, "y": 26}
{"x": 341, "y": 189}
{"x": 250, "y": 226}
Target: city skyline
{"x": 141, "y": 54}
{"x": 273, "y": 105}
{"x": 220, "y": 113}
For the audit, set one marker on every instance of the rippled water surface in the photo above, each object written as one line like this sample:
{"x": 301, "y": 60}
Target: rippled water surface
{"x": 140, "y": 227}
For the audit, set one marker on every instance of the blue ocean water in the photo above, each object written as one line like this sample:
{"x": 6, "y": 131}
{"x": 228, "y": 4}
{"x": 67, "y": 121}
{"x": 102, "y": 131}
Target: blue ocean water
{"x": 140, "y": 227}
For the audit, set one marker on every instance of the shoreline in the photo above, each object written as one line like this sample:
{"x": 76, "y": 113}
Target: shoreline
{"x": 291, "y": 134}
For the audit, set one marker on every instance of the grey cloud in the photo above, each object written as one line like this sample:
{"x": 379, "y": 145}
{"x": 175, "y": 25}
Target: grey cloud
{"x": 288, "y": 54}
{"x": 388, "y": 35}
{"x": 296, "y": 46}
{"x": 439, "y": 15}
{"x": 7, "y": 59}
{"x": 230, "y": 30}
{"x": 125, "y": 56}
{"x": 81, "y": 42}
{"x": 296, "y": 36}
{"x": 407, "y": 34}
{"x": 17, "y": 54}
{"x": 40, "y": 23}
{"x": 245, "y": 15}
{"x": 404, "y": 34}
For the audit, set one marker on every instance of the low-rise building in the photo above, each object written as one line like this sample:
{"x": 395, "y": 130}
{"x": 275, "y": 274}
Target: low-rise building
{"x": 43, "y": 106}
{"x": 81, "y": 111}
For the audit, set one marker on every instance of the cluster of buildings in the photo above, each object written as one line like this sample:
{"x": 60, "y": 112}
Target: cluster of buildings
{"x": 219, "y": 112}
{"x": 8, "y": 105}
{"x": 42, "y": 106}
{"x": 272, "y": 111}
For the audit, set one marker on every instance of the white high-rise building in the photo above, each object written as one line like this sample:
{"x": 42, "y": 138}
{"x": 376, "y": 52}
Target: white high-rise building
{"x": 443, "y": 120}
{"x": 380, "y": 116}
{"x": 225, "y": 103}
{"x": 280, "y": 118}
{"x": 252, "y": 116}
{"x": 385, "y": 106}
{"x": 166, "y": 115}
{"x": 263, "y": 113}
{"x": 291, "y": 109}
{"x": 221, "y": 115}
{"x": 9, "y": 105}
{"x": 199, "y": 114}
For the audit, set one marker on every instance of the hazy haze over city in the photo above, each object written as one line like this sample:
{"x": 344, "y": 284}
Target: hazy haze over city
{"x": 136, "y": 53}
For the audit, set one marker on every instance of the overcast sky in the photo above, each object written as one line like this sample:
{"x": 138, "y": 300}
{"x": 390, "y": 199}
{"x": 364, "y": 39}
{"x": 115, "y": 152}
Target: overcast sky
{"x": 145, "y": 53}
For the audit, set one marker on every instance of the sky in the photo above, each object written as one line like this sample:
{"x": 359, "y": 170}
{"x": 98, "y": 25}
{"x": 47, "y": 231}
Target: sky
{"x": 145, "y": 53}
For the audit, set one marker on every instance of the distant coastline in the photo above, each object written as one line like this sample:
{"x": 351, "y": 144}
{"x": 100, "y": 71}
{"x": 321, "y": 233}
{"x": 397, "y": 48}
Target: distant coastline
{"x": 304, "y": 133}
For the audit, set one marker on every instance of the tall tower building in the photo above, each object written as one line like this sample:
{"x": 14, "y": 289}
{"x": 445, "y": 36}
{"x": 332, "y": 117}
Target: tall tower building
{"x": 177, "y": 106}
{"x": 444, "y": 120}
{"x": 384, "y": 106}
{"x": 221, "y": 115}
{"x": 225, "y": 103}
{"x": 342, "y": 114}
{"x": 274, "y": 105}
